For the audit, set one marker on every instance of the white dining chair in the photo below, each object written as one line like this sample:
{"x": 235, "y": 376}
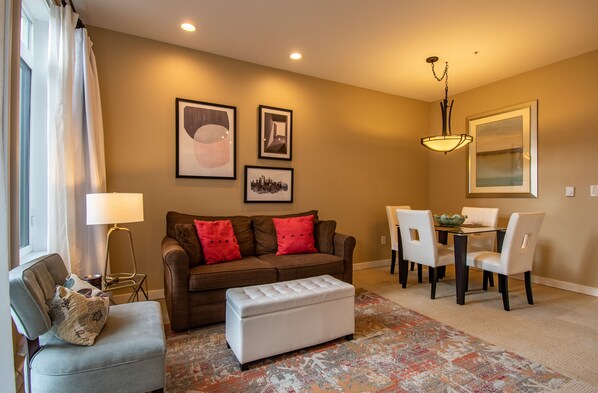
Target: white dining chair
{"x": 391, "y": 214}
{"x": 484, "y": 216}
{"x": 418, "y": 240}
{"x": 516, "y": 256}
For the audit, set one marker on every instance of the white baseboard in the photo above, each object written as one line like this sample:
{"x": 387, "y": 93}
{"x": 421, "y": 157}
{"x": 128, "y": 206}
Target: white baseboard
{"x": 154, "y": 294}
{"x": 371, "y": 264}
{"x": 567, "y": 286}
{"x": 549, "y": 282}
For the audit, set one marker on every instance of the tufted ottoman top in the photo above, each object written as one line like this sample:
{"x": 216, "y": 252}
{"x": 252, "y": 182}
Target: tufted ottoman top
{"x": 286, "y": 295}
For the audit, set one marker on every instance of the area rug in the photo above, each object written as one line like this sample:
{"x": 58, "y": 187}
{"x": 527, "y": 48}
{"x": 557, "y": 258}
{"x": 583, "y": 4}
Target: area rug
{"x": 394, "y": 350}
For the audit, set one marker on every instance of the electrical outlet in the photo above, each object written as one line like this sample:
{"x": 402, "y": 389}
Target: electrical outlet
{"x": 382, "y": 240}
{"x": 594, "y": 190}
{"x": 570, "y": 191}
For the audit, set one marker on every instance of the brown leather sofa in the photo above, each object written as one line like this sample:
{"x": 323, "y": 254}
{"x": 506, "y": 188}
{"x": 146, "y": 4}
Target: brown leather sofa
{"x": 195, "y": 292}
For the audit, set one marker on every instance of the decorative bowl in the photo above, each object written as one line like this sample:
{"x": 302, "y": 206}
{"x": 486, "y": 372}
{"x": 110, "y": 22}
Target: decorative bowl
{"x": 448, "y": 220}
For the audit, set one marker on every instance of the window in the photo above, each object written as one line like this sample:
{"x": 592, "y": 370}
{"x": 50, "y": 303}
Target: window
{"x": 32, "y": 132}
{"x": 24, "y": 152}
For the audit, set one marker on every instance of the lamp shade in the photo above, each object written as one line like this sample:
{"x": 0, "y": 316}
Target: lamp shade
{"x": 446, "y": 143}
{"x": 114, "y": 208}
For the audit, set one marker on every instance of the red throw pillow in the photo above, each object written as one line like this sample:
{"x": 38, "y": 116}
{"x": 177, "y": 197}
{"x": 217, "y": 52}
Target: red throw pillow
{"x": 295, "y": 235}
{"x": 218, "y": 241}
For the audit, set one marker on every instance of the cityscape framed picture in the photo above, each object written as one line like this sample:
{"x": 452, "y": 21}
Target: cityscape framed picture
{"x": 503, "y": 157}
{"x": 205, "y": 140}
{"x": 268, "y": 185}
{"x": 275, "y": 133}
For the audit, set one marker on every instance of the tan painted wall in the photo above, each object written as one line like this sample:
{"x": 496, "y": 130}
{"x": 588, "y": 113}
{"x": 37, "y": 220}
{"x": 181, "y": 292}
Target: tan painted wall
{"x": 355, "y": 150}
{"x": 567, "y": 97}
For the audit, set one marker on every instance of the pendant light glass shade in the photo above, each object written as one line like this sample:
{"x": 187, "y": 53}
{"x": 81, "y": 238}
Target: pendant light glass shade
{"x": 446, "y": 143}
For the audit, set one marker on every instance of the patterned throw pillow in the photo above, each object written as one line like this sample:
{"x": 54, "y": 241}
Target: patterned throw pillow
{"x": 76, "y": 318}
{"x": 218, "y": 241}
{"x": 74, "y": 283}
{"x": 295, "y": 235}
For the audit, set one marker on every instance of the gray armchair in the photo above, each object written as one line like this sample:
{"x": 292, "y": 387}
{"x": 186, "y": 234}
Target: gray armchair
{"x": 128, "y": 354}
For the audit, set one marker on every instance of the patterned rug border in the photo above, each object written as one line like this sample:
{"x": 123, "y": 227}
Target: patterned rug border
{"x": 395, "y": 349}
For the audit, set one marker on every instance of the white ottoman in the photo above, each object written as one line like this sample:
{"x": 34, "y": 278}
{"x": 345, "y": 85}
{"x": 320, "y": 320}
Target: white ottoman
{"x": 270, "y": 319}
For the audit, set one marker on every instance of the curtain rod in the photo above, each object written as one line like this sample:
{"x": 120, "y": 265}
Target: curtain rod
{"x": 80, "y": 24}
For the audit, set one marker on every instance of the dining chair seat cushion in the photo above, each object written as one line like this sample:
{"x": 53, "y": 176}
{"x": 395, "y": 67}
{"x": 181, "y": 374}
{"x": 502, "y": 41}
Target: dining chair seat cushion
{"x": 131, "y": 347}
{"x": 486, "y": 260}
{"x": 446, "y": 255}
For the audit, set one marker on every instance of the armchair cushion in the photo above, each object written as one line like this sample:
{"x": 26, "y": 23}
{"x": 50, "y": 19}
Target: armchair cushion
{"x": 128, "y": 355}
{"x": 77, "y": 318}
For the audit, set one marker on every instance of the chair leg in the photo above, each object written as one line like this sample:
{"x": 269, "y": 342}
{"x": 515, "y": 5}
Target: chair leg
{"x": 393, "y": 259}
{"x": 503, "y": 282}
{"x": 404, "y": 266}
{"x": 413, "y": 266}
{"x": 441, "y": 271}
{"x": 419, "y": 273}
{"x": 491, "y": 279}
{"x": 485, "y": 281}
{"x": 433, "y": 272}
{"x": 528, "y": 287}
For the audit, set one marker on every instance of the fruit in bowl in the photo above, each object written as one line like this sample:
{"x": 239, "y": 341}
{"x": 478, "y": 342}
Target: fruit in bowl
{"x": 448, "y": 220}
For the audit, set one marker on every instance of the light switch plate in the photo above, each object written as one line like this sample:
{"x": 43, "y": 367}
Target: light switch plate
{"x": 570, "y": 191}
{"x": 594, "y": 190}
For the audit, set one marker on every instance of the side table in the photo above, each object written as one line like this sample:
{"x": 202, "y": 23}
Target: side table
{"x": 134, "y": 284}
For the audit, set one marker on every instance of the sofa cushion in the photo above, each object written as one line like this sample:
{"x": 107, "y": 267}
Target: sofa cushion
{"x": 295, "y": 235}
{"x": 218, "y": 241}
{"x": 240, "y": 273}
{"x": 292, "y": 267}
{"x": 186, "y": 235}
{"x": 241, "y": 227}
{"x": 324, "y": 236}
{"x": 265, "y": 233}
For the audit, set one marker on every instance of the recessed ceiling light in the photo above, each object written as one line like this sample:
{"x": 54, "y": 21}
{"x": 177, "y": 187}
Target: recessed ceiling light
{"x": 188, "y": 27}
{"x": 295, "y": 55}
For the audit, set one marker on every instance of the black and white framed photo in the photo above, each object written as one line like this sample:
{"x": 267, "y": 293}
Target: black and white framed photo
{"x": 205, "y": 140}
{"x": 275, "y": 134}
{"x": 268, "y": 185}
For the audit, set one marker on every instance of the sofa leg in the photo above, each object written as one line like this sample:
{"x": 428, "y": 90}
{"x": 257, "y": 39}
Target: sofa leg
{"x": 227, "y": 345}
{"x": 349, "y": 337}
{"x": 244, "y": 367}
{"x": 161, "y": 390}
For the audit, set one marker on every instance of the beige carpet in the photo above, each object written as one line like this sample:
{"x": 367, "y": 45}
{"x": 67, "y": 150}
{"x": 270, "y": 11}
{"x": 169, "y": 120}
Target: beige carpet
{"x": 560, "y": 330}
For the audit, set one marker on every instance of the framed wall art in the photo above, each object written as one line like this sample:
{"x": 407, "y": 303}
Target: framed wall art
{"x": 503, "y": 157}
{"x": 205, "y": 140}
{"x": 275, "y": 134}
{"x": 268, "y": 185}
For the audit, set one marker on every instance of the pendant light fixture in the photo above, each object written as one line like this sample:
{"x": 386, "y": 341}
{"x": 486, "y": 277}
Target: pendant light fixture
{"x": 446, "y": 142}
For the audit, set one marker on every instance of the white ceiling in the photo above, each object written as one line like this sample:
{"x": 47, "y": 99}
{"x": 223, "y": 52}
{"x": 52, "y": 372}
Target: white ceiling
{"x": 380, "y": 44}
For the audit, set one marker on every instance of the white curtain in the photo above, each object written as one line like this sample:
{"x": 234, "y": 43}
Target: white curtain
{"x": 76, "y": 164}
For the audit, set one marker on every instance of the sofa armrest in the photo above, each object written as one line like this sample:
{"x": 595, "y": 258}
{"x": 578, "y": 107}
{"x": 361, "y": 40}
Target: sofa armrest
{"x": 343, "y": 247}
{"x": 176, "y": 283}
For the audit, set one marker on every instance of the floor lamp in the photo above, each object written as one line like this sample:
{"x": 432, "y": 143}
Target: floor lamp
{"x": 113, "y": 209}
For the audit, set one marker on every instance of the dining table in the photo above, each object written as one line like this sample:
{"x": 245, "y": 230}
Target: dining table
{"x": 460, "y": 235}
